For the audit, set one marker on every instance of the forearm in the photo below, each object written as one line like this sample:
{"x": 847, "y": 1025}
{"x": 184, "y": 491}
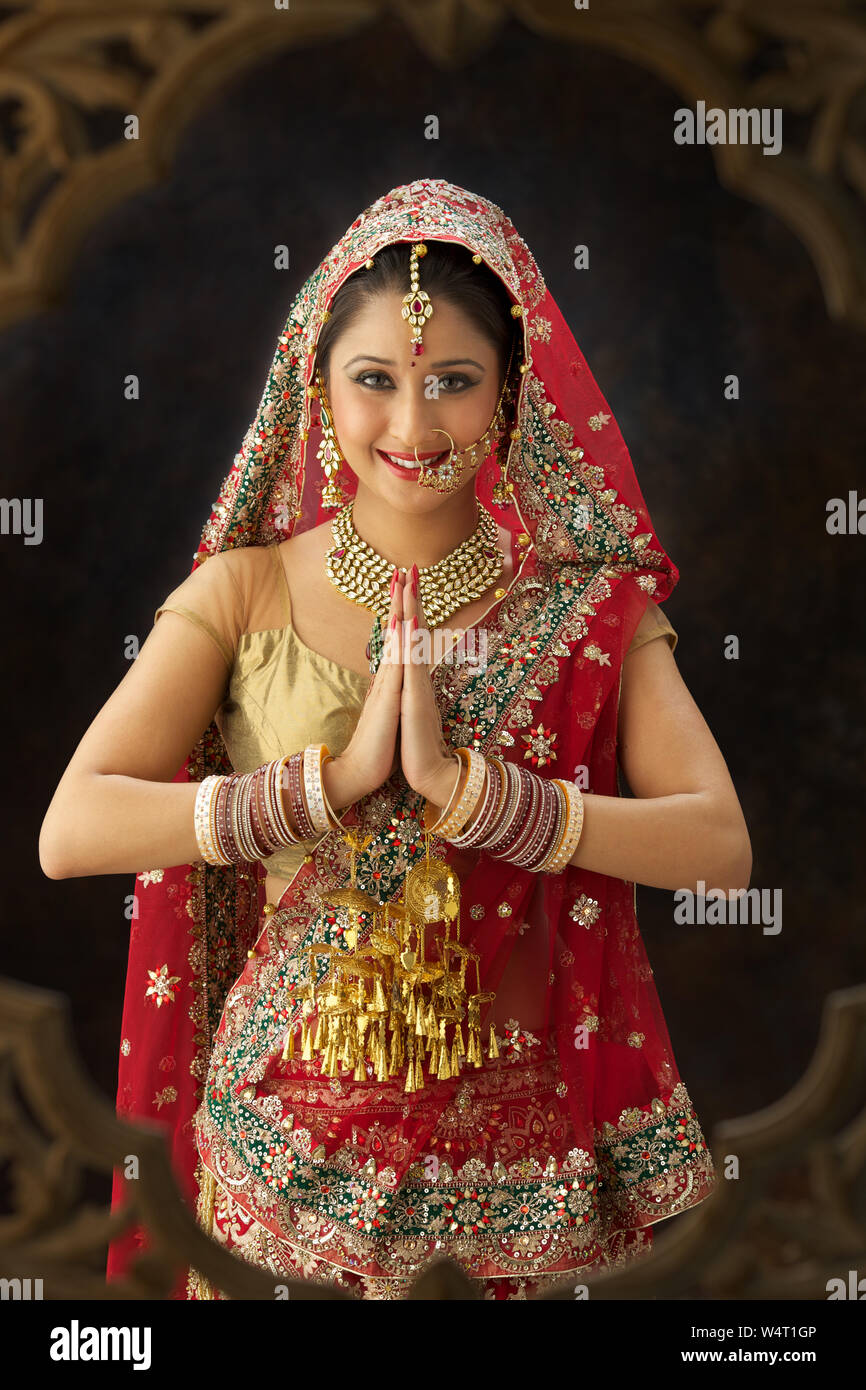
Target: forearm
{"x": 664, "y": 842}
{"x": 106, "y": 823}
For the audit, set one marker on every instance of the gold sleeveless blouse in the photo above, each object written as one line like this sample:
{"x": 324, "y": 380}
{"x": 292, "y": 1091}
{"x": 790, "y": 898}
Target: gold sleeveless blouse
{"x": 280, "y": 694}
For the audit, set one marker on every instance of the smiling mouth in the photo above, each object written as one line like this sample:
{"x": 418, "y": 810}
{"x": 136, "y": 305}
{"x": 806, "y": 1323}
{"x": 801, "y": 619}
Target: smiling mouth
{"x": 409, "y": 465}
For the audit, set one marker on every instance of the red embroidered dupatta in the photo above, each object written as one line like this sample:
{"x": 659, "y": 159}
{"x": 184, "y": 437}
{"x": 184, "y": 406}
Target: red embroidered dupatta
{"x": 543, "y": 1160}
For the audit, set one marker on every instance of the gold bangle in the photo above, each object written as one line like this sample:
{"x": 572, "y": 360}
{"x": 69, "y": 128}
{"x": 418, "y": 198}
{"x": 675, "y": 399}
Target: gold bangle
{"x": 574, "y": 828}
{"x": 468, "y": 798}
{"x": 336, "y": 823}
{"x": 550, "y": 857}
{"x": 444, "y": 813}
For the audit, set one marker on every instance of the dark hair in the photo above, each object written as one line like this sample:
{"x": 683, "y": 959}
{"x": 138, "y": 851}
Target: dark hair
{"x": 447, "y": 272}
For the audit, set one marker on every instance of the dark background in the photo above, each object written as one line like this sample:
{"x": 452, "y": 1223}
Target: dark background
{"x": 687, "y": 284}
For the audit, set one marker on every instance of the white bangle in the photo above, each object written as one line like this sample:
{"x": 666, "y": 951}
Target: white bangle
{"x": 205, "y": 836}
{"x": 313, "y": 755}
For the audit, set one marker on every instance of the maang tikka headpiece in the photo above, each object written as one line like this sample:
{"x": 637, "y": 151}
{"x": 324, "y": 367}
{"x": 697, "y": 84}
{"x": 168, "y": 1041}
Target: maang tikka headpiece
{"x": 417, "y": 308}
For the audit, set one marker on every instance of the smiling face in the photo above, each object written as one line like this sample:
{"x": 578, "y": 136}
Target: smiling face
{"x": 390, "y": 401}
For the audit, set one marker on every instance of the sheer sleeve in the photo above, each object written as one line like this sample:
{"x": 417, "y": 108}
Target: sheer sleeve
{"x": 213, "y": 599}
{"x": 653, "y": 624}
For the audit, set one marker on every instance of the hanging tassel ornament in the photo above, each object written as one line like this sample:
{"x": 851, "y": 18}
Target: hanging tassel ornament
{"x": 380, "y": 1008}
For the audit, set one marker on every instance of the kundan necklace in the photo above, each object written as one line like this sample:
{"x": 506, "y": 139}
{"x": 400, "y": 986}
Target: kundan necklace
{"x": 464, "y": 574}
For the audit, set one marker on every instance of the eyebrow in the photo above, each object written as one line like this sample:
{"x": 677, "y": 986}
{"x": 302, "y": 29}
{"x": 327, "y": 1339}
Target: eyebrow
{"x": 386, "y": 362}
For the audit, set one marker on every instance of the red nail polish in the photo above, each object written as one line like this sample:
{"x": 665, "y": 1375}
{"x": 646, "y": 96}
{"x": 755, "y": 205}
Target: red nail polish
{"x": 415, "y": 622}
{"x": 415, "y": 585}
{"x": 393, "y": 581}
{"x": 393, "y": 621}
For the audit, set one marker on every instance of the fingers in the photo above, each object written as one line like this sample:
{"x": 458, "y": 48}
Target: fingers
{"x": 391, "y": 649}
{"x": 415, "y": 669}
{"x": 413, "y": 619}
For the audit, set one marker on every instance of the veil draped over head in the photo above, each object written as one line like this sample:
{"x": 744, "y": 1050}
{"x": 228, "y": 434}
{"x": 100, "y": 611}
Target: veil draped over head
{"x": 601, "y": 1139}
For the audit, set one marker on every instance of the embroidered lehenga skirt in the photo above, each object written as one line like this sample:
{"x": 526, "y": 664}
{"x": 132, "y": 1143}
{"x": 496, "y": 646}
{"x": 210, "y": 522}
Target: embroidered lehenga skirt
{"x": 484, "y": 1192}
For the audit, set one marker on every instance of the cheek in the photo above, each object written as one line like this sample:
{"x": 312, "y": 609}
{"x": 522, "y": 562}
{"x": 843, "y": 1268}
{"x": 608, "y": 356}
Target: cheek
{"x": 486, "y": 406}
{"x": 470, "y": 413}
{"x": 358, "y": 416}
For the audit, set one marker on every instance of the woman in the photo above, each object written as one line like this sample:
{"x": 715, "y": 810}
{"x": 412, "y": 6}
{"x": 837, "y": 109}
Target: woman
{"x": 551, "y": 1147}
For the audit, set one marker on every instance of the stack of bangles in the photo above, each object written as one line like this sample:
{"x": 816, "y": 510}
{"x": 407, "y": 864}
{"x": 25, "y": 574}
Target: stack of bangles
{"x": 244, "y": 817}
{"x": 532, "y": 822}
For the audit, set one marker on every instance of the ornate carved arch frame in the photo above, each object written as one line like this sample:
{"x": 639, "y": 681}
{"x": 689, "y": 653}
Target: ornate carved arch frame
{"x": 60, "y": 59}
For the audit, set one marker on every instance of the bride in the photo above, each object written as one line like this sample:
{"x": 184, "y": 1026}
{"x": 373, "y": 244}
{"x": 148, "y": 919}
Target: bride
{"x": 526, "y": 1115}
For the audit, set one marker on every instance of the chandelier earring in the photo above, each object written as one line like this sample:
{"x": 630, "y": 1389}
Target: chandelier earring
{"x": 329, "y": 454}
{"x": 503, "y": 488}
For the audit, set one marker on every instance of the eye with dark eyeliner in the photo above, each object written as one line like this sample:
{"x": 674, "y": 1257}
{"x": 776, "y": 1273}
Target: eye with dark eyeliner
{"x": 465, "y": 381}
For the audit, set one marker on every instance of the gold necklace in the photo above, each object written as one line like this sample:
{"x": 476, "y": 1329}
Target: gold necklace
{"x": 364, "y": 576}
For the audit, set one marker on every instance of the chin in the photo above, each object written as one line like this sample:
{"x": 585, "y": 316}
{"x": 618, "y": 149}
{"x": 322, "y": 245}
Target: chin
{"x": 410, "y": 497}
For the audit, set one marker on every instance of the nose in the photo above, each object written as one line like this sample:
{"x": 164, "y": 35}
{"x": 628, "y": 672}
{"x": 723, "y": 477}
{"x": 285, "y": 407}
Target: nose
{"x": 412, "y": 420}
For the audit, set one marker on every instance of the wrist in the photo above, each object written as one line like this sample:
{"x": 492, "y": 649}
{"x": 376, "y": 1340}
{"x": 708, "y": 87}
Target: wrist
{"x": 440, "y": 786}
{"x": 342, "y": 784}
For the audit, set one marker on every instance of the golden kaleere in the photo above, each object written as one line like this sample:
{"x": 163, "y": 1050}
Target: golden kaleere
{"x": 383, "y": 1002}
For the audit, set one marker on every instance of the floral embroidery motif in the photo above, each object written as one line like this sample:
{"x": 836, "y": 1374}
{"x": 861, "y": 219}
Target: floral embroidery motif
{"x": 575, "y": 1199}
{"x": 624, "y": 517}
{"x": 465, "y": 733}
{"x": 504, "y": 909}
{"x": 162, "y": 987}
{"x": 405, "y": 830}
{"x": 125, "y": 1047}
{"x": 516, "y": 1042}
{"x": 278, "y": 1166}
{"x": 597, "y": 422}
{"x": 336, "y": 929}
{"x": 468, "y": 1211}
{"x": 539, "y": 328}
{"x": 226, "y": 1069}
{"x": 520, "y": 651}
{"x": 541, "y": 741}
{"x": 688, "y": 1133}
{"x": 148, "y": 876}
{"x": 585, "y": 911}
{"x": 365, "y": 1212}
{"x": 595, "y": 653}
{"x": 636, "y": 1039}
{"x": 165, "y": 1097}
{"x": 276, "y": 1001}
{"x": 476, "y": 911}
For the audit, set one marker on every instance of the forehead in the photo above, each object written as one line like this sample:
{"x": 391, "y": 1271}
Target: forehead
{"x": 379, "y": 319}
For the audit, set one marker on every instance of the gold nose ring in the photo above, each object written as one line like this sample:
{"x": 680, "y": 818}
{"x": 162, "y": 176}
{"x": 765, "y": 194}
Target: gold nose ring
{"x": 437, "y": 431}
